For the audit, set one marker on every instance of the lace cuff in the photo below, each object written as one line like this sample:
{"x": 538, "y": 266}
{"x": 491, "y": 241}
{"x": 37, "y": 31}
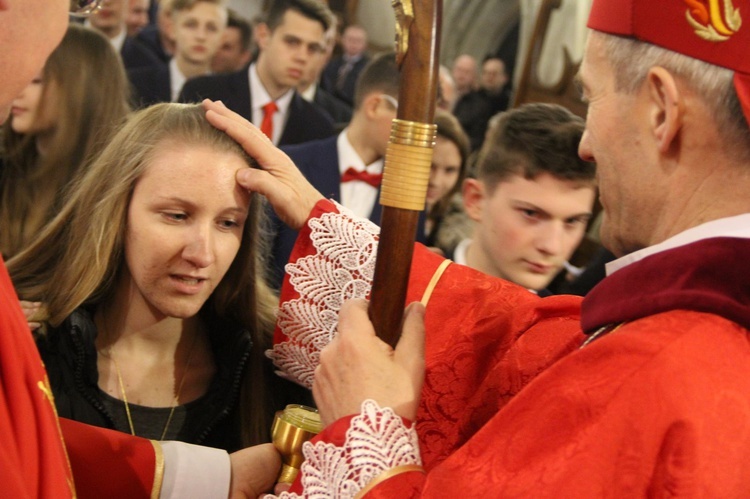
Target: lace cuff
{"x": 341, "y": 268}
{"x": 377, "y": 446}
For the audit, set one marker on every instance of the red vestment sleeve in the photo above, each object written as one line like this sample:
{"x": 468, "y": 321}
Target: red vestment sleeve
{"x": 108, "y": 463}
{"x": 32, "y": 456}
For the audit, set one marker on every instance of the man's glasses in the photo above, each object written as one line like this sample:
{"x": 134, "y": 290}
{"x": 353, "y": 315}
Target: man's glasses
{"x": 84, "y": 8}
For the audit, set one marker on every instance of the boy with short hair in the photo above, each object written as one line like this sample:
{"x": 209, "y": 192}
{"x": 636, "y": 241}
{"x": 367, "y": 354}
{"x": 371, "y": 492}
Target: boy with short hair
{"x": 532, "y": 197}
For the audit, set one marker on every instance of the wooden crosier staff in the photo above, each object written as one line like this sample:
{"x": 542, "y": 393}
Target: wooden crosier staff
{"x": 407, "y": 160}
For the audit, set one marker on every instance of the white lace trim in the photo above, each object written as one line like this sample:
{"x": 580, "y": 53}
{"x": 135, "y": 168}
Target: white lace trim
{"x": 376, "y": 441}
{"x": 341, "y": 269}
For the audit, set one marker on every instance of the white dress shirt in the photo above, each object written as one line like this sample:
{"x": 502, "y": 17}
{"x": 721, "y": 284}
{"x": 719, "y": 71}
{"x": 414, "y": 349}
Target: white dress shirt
{"x": 176, "y": 79}
{"x": 358, "y": 196}
{"x": 259, "y": 97}
{"x": 737, "y": 226}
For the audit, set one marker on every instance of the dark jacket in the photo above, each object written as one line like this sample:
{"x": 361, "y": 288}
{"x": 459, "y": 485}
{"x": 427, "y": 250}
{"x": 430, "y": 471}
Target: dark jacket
{"x": 329, "y": 78}
{"x": 304, "y": 123}
{"x": 338, "y": 110}
{"x": 136, "y": 55}
{"x": 69, "y": 353}
{"x": 151, "y": 85}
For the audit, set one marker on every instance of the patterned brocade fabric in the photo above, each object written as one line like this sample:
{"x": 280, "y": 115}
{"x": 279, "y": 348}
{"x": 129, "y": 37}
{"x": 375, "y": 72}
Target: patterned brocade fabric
{"x": 511, "y": 406}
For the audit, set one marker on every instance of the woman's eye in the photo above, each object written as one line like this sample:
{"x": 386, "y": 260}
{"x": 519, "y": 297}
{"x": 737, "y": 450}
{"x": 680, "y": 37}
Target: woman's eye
{"x": 230, "y": 224}
{"x": 175, "y": 216}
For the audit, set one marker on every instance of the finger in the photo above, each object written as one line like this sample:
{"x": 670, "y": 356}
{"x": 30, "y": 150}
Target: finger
{"x": 34, "y": 325}
{"x": 410, "y": 347}
{"x": 353, "y": 318}
{"x": 254, "y": 142}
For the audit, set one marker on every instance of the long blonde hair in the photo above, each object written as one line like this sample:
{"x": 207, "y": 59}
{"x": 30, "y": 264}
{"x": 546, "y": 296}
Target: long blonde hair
{"x": 92, "y": 100}
{"x": 76, "y": 259}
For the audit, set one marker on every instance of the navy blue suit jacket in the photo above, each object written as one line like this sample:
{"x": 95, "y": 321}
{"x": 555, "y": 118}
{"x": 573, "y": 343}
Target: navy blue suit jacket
{"x": 304, "y": 123}
{"x": 319, "y": 163}
{"x": 151, "y": 85}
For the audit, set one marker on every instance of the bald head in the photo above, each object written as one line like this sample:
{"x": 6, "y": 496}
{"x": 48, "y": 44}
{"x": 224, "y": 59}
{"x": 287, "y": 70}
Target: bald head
{"x": 464, "y": 73}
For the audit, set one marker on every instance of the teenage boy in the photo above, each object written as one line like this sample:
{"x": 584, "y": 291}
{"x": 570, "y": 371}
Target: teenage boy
{"x": 532, "y": 197}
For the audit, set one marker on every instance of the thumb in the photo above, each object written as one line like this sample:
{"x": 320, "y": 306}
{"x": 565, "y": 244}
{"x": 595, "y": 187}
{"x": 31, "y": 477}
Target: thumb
{"x": 410, "y": 348}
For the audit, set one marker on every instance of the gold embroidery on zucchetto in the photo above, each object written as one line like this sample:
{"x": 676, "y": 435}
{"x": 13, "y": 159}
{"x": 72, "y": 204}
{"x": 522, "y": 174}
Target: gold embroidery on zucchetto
{"x": 713, "y": 20}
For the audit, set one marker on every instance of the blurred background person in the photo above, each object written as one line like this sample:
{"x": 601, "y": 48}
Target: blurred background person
{"x": 447, "y": 90}
{"x": 340, "y": 75}
{"x": 59, "y": 123}
{"x": 475, "y": 108}
{"x": 532, "y": 198}
{"x": 137, "y": 17}
{"x": 109, "y": 19}
{"x": 445, "y": 224}
{"x": 235, "y": 49}
{"x": 158, "y": 37}
{"x": 310, "y": 90}
{"x": 197, "y": 26}
{"x": 465, "y": 75}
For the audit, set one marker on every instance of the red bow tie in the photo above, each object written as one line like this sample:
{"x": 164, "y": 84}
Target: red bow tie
{"x": 371, "y": 178}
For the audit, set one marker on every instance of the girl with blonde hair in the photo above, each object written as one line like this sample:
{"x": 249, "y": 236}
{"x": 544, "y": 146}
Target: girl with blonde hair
{"x": 58, "y": 124}
{"x": 156, "y": 309}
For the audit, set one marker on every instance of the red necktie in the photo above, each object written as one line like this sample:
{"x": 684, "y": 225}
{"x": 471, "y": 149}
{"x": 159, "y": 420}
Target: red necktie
{"x": 266, "y": 125}
{"x": 371, "y": 178}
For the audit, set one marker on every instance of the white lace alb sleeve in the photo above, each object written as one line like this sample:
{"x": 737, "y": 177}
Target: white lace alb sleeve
{"x": 377, "y": 441}
{"x": 341, "y": 269}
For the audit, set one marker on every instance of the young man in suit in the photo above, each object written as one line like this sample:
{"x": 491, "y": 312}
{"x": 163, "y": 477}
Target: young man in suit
{"x": 347, "y": 168}
{"x": 197, "y": 26}
{"x": 293, "y": 34}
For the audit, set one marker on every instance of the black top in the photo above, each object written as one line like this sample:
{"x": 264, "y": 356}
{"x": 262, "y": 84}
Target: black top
{"x": 69, "y": 353}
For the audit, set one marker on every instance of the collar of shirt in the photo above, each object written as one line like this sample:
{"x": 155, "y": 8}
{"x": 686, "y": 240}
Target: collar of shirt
{"x": 459, "y": 254}
{"x": 737, "y": 226}
{"x": 309, "y": 93}
{"x": 348, "y": 157}
{"x": 259, "y": 97}
{"x": 176, "y": 79}
{"x": 117, "y": 42}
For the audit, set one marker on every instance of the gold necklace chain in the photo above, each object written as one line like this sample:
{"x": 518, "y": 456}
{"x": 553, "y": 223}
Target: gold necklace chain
{"x": 176, "y": 397}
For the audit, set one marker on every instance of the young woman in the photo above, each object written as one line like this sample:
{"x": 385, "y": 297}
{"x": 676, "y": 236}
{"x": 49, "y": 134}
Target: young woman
{"x": 157, "y": 312}
{"x": 446, "y": 225}
{"x": 58, "y": 123}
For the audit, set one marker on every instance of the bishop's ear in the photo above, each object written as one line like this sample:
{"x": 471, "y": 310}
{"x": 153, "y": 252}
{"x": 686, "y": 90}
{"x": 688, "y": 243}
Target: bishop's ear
{"x": 666, "y": 107}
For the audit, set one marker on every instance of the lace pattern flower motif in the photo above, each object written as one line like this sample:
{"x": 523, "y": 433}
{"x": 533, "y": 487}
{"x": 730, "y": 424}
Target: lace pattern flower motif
{"x": 341, "y": 269}
{"x": 376, "y": 441}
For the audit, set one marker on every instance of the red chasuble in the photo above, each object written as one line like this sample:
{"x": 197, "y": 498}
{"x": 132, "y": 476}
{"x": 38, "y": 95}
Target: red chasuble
{"x": 513, "y": 407}
{"x": 33, "y": 459}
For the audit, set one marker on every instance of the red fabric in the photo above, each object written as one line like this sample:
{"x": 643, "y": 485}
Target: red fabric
{"x": 512, "y": 407}
{"x": 33, "y": 462}
{"x": 714, "y": 31}
{"x": 687, "y": 279}
{"x": 266, "y": 126}
{"x": 371, "y": 178}
{"x": 109, "y": 463}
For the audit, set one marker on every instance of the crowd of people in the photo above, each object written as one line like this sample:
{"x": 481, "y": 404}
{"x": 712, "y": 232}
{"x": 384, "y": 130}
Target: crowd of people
{"x": 189, "y": 210}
